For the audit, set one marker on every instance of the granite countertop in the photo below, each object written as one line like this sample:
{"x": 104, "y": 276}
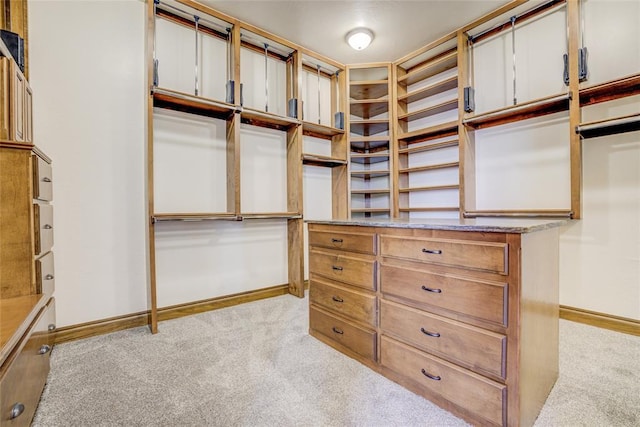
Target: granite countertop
{"x": 487, "y": 225}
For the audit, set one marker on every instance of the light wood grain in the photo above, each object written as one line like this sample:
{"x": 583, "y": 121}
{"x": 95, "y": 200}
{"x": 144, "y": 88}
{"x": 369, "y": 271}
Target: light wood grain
{"x": 346, "y": 267}
{"x": 344, "y": 300}
{"x": 344, "y": 240}
{"x": 359, "y": 340}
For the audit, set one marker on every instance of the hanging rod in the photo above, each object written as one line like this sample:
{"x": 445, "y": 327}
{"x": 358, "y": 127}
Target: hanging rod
{"x": 315, "y": 66}
{"x": 193, "y": 217}
{"x": 260, "y": 44}
{"x": 192, "y": 16}
{"x": 612, "y": 126}
{"x": 519, "y": 214}
{"x": 519, "y": 18}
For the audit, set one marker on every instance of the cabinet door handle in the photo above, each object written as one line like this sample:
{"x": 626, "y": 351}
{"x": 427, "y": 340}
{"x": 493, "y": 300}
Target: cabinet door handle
{"x": 431, "y": 334}
{"x": 431, "y": 377}
{"x": 48, "y": 277}
{"x": 47, "y": 226}
{"x": 16, "y": 410}
{"x": 338, "y": 331}
{"x": 51, "y": 327}
{"x": 434, "y": 290}
{"x": 333, "y": 240}
{"x": 432, "y": 251}
{"x": 337, "y": 299}
{"x": 46, "y": 179}
{"x": 44, "y": 349}
{"x": 336, "y": 268}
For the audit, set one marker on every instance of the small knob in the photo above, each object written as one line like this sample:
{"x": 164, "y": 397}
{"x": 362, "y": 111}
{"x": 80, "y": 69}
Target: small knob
{"x": 16, "y": 410}
{"x": 51, "y": 327}
{"x": 46, "y": 179}
{"x": 47, "y": 227}
{"x": 44, "y": 349}
{"x": 48, "y": 277}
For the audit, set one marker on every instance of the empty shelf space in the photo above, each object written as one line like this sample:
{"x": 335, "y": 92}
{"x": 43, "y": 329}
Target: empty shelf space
{"x": 268, "y": 120}
{"x": 429, "y": 167}
{"x": 370, "y": 158}
{"x": 429, "y": 188}
{"x": 368, "y": 89}
{"x": 383, "y": 191}
{"x": 429, "y": 111}
{"x": 429, "y": 147}
{"x": 367, "y": 108}
{"x": 432, "y": 132}
{"x": 369, "y": 127}
{"x": 525, "y": 110}
{"x": 437, "y": 65}
{"x": 430, "y": 209}
{"x": 425, "y": 92}
{"x": 369, "y": 144}
{"x": 320, "y": 131}
{"x": 183, "y": 102}
{"x": 370, "y": 173}
{"x": 317, "y": 160}
{"x": 611, "y": 126}
{"x": 534, "y": 213}
{"x": 184, "y": 216}
{"x": 270, "y": 215}
{"x": 626, "y": 86}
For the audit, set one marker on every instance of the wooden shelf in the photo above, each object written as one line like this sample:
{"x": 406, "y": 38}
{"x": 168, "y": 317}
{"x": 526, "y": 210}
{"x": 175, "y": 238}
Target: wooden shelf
{"x": 267, "y": 120}
{"x": 377, "y": 157}
{"x": 432, "y": 132}
{"x": 434, "y": 89}
{"x": 437, "y": 65}
{"x": 369, "y": 144}
{"x": 526, "y": 110}
{"x": 323, "y": 161}
{"x": 429, "y": 167}
{"x": 369, "y": 127}
{"x": 270, "y": 215}
{"x": 367, "y": 108}
{"x": 368, "y": 89}
{"x": 431, "y": 209}
{"x": 429, "y": 111}
{"x": 209, "y": 216}
{"x": 611, "y": 126}
{"x": 178, "y": 101}
{"x": 547, "y": 213}
{"x": 371, "y": 210}
{"x": 17, "y": 315}
{"x": 429, "y": 188}
{"x": 369, "y": 174}
{"x": 626, "y": 86}
{"x": 384, "y": 191}
{"x": 430, "y": 147}
{"x": 320, "y": 131}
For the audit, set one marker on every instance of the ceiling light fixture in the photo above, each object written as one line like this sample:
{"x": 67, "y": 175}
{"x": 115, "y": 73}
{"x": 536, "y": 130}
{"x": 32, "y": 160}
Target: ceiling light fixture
{"x": 359, "y": 38}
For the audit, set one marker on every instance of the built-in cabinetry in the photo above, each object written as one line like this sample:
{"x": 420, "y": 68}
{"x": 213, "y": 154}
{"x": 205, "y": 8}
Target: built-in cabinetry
{"x": 462, "y": 312}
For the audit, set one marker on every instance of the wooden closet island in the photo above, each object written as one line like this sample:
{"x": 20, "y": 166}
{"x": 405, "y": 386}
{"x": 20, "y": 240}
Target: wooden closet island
{"x": 463, "y": 312}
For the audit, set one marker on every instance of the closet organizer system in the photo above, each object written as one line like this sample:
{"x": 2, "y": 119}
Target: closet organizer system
{"x": 399, "y": 137}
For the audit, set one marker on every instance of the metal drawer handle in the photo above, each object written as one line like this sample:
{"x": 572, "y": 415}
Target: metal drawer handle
{"x": 434, "y": 290}
{"x": 48, "y": 277}
{"x": 338, "y": 331}
{"x": 51, "y": 327}
{"x": 16, "y": 410}
{"x": 336, "y": 240}
{"x": 47, "y": 227}
{"x": 431, "y": 377}
{"x": 431, "y": 251}
{"x": 44, "y": 349}
{"x": 337, "y": 299}
{"x": 431, "y": 334}
{"x": 46, "y": 179}
{"x": 336, "y": 268}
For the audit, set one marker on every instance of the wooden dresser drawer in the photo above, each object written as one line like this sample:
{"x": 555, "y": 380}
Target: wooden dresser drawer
{"x": 42, "y": 179}
{"x": 43, "y": 228}
{"x": 485, "y": 300}
{"x": 489, "y": 256}
{"x": 478, "y": 349}
{"x": 358, "y": 305}
{"x": 22, "y": 384}
{"x": 471, "y": 391}
{"x": 348, "y": 268}
{"x": 352, "y": 242}
{"x": 355, "y": 338}
{"x": 45, "y": 277}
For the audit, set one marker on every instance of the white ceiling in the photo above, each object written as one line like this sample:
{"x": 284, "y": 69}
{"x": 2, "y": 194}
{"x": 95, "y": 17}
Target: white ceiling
{"x": 399, "y": 27}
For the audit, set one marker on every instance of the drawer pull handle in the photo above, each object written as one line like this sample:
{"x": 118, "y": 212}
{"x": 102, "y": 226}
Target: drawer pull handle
{"x": 46, "y": 179}
{"x": 337, "y": 299}
{"x": 431, "y": 334}
{"x": 16, "y": 410}
{"x": 431, "y": 377}
{"x": 432, "y": 251}
{"x": 336, "y": 240}
{"x": 47, "y": 227}
{"x": 44, "y": 349}
{"x": 338, "y": 331}
{"x": 336, "y": 268}
{"x": 48, "y": 277}
{"x": 434, "y": 290}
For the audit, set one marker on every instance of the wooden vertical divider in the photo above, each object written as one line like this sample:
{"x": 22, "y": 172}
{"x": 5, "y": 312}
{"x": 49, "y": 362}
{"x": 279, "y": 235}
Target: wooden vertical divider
{"x": 466, "y": 140}
{"x": 339, "y": 149}
{"x": 393, "y": 142}
{"x": 575, "y": 117}
{"x": 233, "y": 131}
{"x": 401, "y": 161}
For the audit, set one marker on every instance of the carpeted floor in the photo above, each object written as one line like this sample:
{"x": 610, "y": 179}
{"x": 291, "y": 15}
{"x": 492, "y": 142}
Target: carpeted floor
{"x": 255, "y": 365}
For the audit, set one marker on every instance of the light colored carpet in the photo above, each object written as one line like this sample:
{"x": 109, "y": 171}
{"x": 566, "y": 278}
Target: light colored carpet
{"x": 256, "y": 365}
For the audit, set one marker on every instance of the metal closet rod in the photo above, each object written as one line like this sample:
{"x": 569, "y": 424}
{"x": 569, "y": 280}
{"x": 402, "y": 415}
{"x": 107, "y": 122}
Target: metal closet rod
{"x": 323, "y": 70}
{"x": 191, "y": 16}
{"x": 260, "y": 44}
{"x": 519, "y": 18}
{"x": 190, "y": 23}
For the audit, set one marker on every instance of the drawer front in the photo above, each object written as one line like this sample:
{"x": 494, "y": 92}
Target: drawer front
{"x": 477, "y": 255}
{"x": 343, "y": 268}
{"x": 42, "y": 179}
{"x": 471, "y": 391}
{"x": 21, "y": 386}
{"x": 355, "y": 338}
{"x": 356, "y": 305}
{"x": 353, "y": 242}
{"x": 45, "y": 277}
{"x": 485, "y": 300}
{"x": 480, "y": 350}
{"x": 43, "y": 228}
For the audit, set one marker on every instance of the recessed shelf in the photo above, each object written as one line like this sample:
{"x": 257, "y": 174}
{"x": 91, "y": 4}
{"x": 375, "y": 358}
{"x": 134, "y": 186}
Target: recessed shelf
{"x": 429, "y": 111}
{"x": 183, "y": 102}
{"x": 270, "y": 215}
{"x": 372, "y": 158}
{"x": 611, "y": 126}
{"x": 383, "y": 191}
{"x": 368, "y": 89}
{"x": 267, "y": 120}
{"x": 369, "y": 144}
{"x": 437, "y": 65}
{"x": 429, "y": 188}
{"x": 369, "y": 108}
{"x": 432, "y": 132}
{"x": 184, "y": 216}
{"x": 369, "y": 127}
{"x": 425, "y": 92}
{"x": 323, "y": 161}
{"x": 429, "y": 147}
{"x": 369, "y": 174}
{"x": 534, "y": 213}
{"x": 320, "y": 131}
{"x": 430, "y": 209}
{"x": 626, "y": 86}
{"x": 429, "y": 167}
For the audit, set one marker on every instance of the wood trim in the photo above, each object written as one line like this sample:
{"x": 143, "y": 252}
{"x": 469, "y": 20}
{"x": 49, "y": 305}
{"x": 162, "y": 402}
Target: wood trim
{"x": 624, "y": 325}
{"x": 133, "y": 320}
